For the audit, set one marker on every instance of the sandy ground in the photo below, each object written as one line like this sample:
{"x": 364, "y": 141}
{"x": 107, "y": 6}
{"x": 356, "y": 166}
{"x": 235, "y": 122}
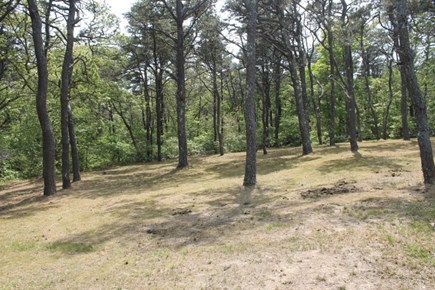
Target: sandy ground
{"x": 330, "y": 220}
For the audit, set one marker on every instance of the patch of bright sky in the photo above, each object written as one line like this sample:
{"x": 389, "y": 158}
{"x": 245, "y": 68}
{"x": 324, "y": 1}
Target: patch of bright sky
{"x": 120, "y": 7}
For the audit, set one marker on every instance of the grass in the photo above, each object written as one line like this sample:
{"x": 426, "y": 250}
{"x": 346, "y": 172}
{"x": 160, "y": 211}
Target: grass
{"x": 70, "y": 248}
{"x": 150, "y": 226}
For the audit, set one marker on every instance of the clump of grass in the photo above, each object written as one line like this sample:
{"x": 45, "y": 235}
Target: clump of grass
{"x": 22, "y": 246}
{"x": 272, "y": 226}
{"x": 421, "y": 253}
{"x": 70, "y": 247}
{"x": 363, "y": 213}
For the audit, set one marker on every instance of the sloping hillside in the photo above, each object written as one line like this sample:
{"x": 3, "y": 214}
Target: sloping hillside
{"x": 330, "y": 220}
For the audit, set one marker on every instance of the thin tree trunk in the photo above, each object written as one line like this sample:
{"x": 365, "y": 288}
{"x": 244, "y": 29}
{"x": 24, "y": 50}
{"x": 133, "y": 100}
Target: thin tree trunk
{"x": 316, "y": 104}
{"x": 404, "y": 90}
{"x": 390, "y": 100}
{"x": 366, "y": 70}
{"x": 48, "y": 142}
{"x": 64, "y": 94}
{"x": 304, "y": 127}
{"x": 250, "y": 177}
{"x": 332, "y": 99}
{"x": 278, "y": 106}
{"x": 74, "y": 148}
{"x": 221, "y": 117}
{"x": 348, "y": 62}
{"x": 158, "y": 75}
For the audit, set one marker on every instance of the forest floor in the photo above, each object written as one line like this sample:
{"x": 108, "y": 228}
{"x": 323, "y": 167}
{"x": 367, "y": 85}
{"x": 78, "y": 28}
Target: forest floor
{"x": 330, "y": 220}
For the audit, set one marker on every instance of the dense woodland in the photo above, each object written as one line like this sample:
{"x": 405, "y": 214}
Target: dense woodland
{"x": 188, "y": 77}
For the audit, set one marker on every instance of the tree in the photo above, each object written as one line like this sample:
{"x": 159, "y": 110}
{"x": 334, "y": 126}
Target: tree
{"x": 284, "y": 31}
{"x": 48, "y": 143}
{"x": 349, "y": 84}
{"x": 180, "y": 13}
{"x": 406, "y": 56}
{"x": 250, "y": 178}
{"x": 66, "y": 114}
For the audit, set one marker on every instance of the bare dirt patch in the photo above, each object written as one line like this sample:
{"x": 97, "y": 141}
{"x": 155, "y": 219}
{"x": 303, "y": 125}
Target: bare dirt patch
{"x": 332, "y": 220}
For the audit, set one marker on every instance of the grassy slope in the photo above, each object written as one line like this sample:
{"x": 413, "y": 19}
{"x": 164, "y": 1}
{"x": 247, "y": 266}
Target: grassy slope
{"x": 151, "y": 227}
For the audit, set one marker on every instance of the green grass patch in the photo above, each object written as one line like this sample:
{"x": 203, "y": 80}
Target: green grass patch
{"x": 363, "y": 213}
{"x": 272, "y": 226}
{"x": 421, "y": 253}
{"x": 20, "y": 246}
{"x": 70, "y": 248}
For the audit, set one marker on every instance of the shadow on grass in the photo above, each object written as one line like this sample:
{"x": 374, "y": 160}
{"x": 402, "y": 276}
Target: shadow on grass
{"x": 169, "y": 227}
{"x": 23, "y": 202}
{"x": 358, "y": 162}
{"x": 390, "y": 146}
{"x": 420, "y": 211}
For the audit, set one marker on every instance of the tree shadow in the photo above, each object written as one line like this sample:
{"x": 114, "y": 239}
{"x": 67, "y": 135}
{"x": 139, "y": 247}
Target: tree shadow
{"x": 358, "y": 162}
{"x": 398, "y": 145}
{"x": 24, "y": 201}
{"x": 169, "y": 227}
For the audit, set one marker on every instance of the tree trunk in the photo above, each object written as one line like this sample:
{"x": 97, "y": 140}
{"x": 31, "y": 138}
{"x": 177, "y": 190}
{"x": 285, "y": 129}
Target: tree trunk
{"x": 64, "y": 93}
{"x": 181, "y": 89}
{"x": 220, "y": 117}
{"x": 404, "y": 105}
{"x": 332, "y": 99}
{"x": 304, "y": 126}
{"x": 278, "y": 106}
{"x": 316, "y": 104}
{"x": 250, "y": 177}
{"x": 48, "y": 142}
{"x": 419, "y": 104}
{"x": 366, "y": 71}
{"x": 404, "y": 90}
{"x": 390, "y": 99}
{"x": 265, "y": 94}
{"x": 350, "y": 98}
{"x": 74, "y": 148}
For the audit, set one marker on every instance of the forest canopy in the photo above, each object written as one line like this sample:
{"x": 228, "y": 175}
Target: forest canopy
{"x": 187, "y": 79}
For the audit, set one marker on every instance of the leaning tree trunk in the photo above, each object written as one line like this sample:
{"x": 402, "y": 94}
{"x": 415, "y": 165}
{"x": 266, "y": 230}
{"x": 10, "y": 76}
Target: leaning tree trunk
{"x": 48, "y": 142}
{"x": 251, "y": 124}
{"x": 407, "y": 59}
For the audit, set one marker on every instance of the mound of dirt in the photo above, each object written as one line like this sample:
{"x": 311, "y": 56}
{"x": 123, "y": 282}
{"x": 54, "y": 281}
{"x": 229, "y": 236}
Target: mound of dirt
{"x": 340, "y": 187}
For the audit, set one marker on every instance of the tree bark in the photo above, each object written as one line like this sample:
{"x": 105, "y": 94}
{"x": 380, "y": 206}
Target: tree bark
{"x": 304, "y": 126}
{"x": 332, "y": 99}
{"x": 48, "y": 142}
{"x": 366, "y": 72}
{"x": 64, "y": 94}
{"x": 181, "y": 88}
{"x": 74, "y": 148}
{"x": 407, "y": 61}
{"x": 390, "y": 100}
{"x": 404, "y": 91}
{"x": 250, "y": 177}
{"x": 350, "y": 98}
{"x": 278, "y": 107}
